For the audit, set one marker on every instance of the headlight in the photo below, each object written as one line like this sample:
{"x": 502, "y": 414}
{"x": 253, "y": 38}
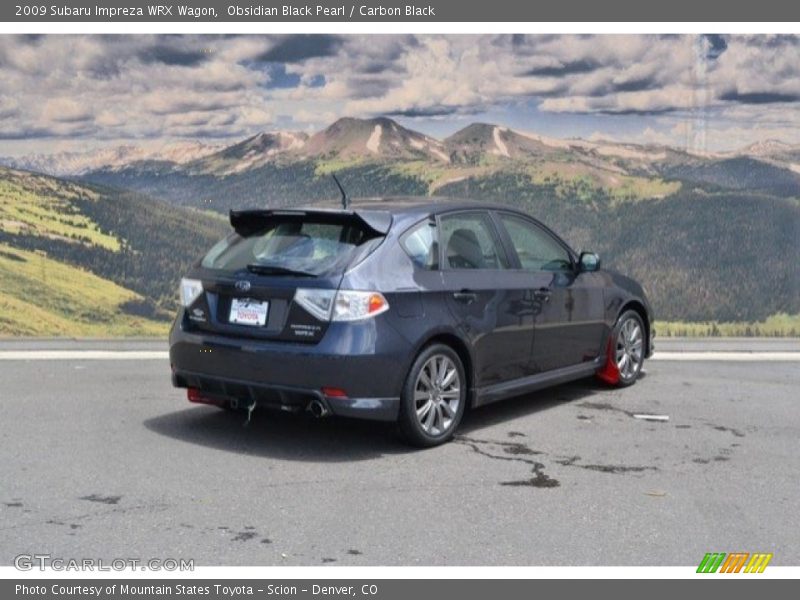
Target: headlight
{"x": 344, "y": 305}
{"x": 190, "y": 290}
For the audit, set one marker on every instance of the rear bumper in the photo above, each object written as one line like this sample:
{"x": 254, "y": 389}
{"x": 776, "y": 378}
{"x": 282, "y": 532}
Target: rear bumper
{"x": 294, "y": 399}
{"x": 291, "y": 376}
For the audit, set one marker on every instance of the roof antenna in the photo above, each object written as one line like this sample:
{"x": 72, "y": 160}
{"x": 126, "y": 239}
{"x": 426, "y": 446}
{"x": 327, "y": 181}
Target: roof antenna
{"x": 345, "y": 199}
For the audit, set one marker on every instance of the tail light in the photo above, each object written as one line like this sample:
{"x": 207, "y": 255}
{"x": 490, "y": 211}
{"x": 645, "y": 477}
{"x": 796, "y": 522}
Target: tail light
{"x": 198, "y": 397}
{"x": 344, "y": 305}
{"x": 334, "y": 392}
{"x": 190, "y": 290}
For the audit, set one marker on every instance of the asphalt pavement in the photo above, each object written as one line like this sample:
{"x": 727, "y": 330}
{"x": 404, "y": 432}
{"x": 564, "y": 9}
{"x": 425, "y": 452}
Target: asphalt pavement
{"x": 104, "y": 459}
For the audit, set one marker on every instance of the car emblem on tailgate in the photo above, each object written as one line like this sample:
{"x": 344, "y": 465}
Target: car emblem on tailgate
{"x": 242, "y": 285}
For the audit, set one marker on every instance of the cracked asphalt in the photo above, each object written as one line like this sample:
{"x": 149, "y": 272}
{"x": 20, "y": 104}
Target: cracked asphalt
{"x": 104, "y": 459}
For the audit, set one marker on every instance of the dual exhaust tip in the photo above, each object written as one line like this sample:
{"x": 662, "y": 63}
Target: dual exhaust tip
{"x": 316, "y": 407}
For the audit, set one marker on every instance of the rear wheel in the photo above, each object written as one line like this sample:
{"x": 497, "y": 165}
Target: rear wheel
{"x": 434, "y": 397}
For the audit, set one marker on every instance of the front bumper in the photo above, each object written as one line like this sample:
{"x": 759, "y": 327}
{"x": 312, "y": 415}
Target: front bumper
{"x": 290, "y": 376}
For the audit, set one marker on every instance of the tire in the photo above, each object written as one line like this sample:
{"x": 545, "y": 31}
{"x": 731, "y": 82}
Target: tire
{"x": 627, "y": 348}
{"x": 437, "y": 381}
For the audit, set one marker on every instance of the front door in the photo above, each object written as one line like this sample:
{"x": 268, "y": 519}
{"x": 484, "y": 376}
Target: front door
{"x": 567, "y": 304}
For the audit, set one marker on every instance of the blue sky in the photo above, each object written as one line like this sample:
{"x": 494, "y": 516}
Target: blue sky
{"x": 707, "y": 93}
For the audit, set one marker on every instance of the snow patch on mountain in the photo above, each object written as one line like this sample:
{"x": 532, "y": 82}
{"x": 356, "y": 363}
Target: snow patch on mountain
{"x": 438, "y": 153}
{"x": 629, "y": 153}
{"x": 374, "y": 141}
{"x": 547, "y": 141}
{"x": 500, "y": 145}
{"x": 767, "y": 147}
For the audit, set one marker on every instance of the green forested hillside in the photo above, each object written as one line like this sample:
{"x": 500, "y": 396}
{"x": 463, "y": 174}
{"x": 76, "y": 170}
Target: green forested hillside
{"x": 721, "y": 256}
{"x": 724, "y": 256}
{"x": 40, "y": 296}
{"x": 703, "y": 254}
{"x": 112, "y": 258}
{"x": 273, "y": 184}
{"x": 740, "y": 173}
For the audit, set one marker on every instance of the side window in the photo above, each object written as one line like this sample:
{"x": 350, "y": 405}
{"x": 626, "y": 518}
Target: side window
{"x": 537, "y": 249}
{"x": 421, "y": 245}
{"x": 469, "y": 242}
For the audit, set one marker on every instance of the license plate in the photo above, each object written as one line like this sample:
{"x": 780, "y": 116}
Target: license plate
{"x": 248, "y": 312}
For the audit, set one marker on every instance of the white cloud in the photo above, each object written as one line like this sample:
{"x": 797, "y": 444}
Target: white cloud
{"x": 132, "y": 87}
{"x": 65, "y": 110}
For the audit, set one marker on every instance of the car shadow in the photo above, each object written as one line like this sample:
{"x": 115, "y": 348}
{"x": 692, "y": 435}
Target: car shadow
{"x": 528, "y": 404}
{"x": 279, "y": 435}
{"x": 284, "y": 436}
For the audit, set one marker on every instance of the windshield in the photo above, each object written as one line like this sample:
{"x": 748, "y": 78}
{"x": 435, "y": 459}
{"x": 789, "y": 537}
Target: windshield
{"x": 290, "y": 246}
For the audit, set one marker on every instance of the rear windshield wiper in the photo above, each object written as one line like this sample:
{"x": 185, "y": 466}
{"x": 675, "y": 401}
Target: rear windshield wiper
{"x": 276, "y": 270}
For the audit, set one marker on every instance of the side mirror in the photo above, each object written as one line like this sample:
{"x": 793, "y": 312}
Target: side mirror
{"x": 589, "y": 262}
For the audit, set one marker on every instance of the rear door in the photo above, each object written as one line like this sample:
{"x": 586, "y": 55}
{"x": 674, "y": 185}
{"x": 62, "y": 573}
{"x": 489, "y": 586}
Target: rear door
{"x": 567, "y": 305}
{"x": 491, "y": 303}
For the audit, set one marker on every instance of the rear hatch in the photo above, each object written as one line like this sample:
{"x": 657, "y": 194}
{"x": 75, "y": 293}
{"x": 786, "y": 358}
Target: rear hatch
{"x": 251, "y": 278}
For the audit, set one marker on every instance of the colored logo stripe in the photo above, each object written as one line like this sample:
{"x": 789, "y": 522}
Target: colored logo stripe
{"x": 711, "y": 562}
{"x": 734, "y": 562}
{"x": 758, "y": 563}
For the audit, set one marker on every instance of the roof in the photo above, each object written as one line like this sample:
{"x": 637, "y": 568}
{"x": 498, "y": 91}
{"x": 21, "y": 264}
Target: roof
{"x": 379, "y": 214}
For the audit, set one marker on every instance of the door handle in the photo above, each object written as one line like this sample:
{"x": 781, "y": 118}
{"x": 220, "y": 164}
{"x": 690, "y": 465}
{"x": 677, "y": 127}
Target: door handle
{"x": 465, "y": 296}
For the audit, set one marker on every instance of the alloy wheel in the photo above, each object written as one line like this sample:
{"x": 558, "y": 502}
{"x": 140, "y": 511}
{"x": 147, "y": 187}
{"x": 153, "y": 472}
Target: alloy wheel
{"x": 629, "y": 349}
{"x": 437, "y": 394}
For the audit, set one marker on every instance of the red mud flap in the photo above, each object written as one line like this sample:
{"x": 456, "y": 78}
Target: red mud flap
{"x": 609, "y": 373}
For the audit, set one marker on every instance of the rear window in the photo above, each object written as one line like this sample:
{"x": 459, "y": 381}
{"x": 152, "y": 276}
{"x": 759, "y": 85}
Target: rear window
{"x": 301, "y": 246}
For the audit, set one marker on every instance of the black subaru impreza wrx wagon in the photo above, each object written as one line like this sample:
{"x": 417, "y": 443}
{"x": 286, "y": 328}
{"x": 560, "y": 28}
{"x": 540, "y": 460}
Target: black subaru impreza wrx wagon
{"x": 400, "y": 309}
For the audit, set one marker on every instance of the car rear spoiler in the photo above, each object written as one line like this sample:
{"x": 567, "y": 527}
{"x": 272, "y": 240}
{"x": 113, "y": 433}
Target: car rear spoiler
{"x": 249, "y": 221}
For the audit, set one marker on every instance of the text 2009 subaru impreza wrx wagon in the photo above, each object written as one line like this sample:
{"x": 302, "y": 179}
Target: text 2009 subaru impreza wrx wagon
{"x": 402, "y": 309}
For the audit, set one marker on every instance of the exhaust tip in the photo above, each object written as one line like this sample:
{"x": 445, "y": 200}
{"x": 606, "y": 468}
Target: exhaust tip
{"x": 318, "y": 409}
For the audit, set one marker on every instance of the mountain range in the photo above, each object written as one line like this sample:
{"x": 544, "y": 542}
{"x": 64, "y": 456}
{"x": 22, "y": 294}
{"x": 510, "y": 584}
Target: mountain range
{"x": 383, "y": 139}
{"x": 73, "y": 163}
{"x": 711, "y": 236}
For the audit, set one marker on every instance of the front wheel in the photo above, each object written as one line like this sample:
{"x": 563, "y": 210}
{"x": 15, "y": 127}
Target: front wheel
{"x": 625, "y": 355}
{"x": 434, "y": 397}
